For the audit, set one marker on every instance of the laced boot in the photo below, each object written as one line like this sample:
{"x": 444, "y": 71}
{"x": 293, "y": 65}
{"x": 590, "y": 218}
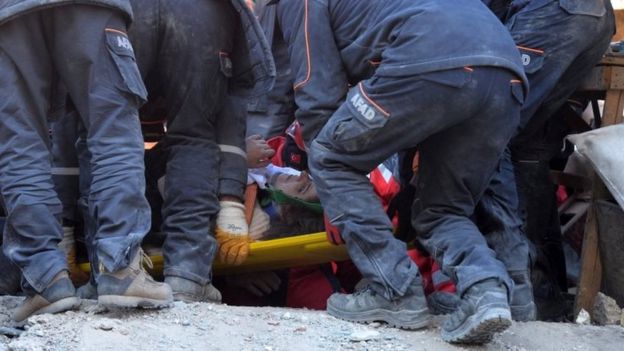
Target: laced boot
{"x": 366, "y": 305}
{"x": 521, "y": 302}
{"x": 132, "y": 286}
{"x": 58, "y": 296}
{"x": 442, "y": 302}
{"x": 483, "y": 312}
{"x": 189, "y": 291}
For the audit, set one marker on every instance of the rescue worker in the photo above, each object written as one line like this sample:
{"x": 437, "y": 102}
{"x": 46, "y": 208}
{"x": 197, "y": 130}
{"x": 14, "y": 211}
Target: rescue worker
{"x": 84, "y": 46}
{"x": 560, "y": 41}
{"x": 270, "y": 114}
{"x": 201, "y": 59}
{"x": 376, "y": 77}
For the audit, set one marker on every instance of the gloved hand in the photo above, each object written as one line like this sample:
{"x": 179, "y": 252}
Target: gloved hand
{"x": 232, "y": 233}
{"x": 333, "y": 235}
{"x": 68, "y": 246}
{"x": 260, "y": 223}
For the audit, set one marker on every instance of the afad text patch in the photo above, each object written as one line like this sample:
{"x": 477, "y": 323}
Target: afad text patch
{"x": 361, "y": 104}
{"x": 119, "y": 42}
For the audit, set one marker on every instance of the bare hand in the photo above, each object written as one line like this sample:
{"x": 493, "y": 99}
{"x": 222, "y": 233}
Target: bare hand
{"x": 259, "y": 153}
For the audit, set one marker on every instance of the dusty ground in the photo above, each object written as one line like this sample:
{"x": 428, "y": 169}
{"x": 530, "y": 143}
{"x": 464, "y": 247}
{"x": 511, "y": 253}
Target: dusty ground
{"x": 220, "y": 327}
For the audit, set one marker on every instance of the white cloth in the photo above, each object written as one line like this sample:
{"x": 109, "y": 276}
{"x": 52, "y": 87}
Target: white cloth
{"x": 604, "y": 147}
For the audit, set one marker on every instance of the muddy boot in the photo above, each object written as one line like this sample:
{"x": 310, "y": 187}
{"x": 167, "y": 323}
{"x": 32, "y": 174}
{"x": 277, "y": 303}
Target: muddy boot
{"x": 132, "y": 287}
{"x": 442, "y": 302}
{"x": 482, "y": 312}
{"x": 189, "y": 291}
{"x": 87, "y": 291}
{"x": 521, "y": 302}
{"x": 59, "y": 296}
{"x": 365, "y": 305}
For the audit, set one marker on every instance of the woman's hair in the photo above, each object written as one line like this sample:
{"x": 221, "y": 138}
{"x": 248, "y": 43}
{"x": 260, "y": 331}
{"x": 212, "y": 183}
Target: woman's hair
{"x": 294, "y": 220}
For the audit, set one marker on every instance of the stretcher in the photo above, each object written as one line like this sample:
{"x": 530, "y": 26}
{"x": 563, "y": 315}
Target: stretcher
{"x": 295, "y": 251}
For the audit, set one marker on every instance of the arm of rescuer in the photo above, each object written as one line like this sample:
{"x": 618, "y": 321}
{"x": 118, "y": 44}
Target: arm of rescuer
{"x": 320, "y": 80}
{"x": 252, "y": 71}
{"x": 231, "y": 230}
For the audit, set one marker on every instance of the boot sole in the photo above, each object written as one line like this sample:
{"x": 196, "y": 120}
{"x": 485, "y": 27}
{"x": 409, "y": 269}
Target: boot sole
{"x": 410, "y": 320}
{"x": 62, "y": 305}
{"x": 525, "y": 313}
{"x": 132, "y": 302}
{"x": 479, "y": 328}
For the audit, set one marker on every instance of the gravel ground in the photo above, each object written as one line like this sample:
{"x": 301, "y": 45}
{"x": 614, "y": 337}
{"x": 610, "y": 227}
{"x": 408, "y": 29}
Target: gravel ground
{"x": 220, "y": 327}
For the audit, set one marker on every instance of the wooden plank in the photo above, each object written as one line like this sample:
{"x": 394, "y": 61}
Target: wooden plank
{"x": 617, "y": 78}
{"x": 597, "y": 80}
{"x": 613, "y": 103}
{"x": 591, "y": 265}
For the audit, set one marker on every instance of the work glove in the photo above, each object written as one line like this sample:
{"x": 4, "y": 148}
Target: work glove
{"x": 333, "y": 234}
{"x": 68, "y": 246}
{"x": 232, "y": 233}
{"x": 260, "y": 223}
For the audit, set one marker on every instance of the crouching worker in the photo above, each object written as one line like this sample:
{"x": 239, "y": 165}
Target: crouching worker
{"x": 85, "y": 47}
{"x": 456, "y": 94}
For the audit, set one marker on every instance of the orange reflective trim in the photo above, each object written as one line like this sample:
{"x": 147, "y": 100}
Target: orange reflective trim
{"x": 116, "y": 31}
{"x": 530, "y": 49}
{"x": 469, "y": 69}
{"x": 515, "y": 81}
{"x": 383, "y": 111}
{"x": 307, "y": 42}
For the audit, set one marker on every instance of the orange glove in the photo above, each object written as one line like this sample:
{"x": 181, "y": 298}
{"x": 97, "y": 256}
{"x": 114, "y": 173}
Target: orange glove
{"x": 232, "y": 233}
{"x": 333, "y": 235}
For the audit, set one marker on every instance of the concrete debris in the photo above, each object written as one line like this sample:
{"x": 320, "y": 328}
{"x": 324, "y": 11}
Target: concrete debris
{"x": 10, "y": 332}
{"x": 364, "y": 335}
{"x": 583, "y": 317}
{"x": 262, "y": 329}
{"x": 606, "y": 311}
{"x": 105, "y": 325}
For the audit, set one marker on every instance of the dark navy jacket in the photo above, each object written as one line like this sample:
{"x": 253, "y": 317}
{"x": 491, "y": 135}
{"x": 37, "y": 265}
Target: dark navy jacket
{"x": 574, "y": 7}
{"x": 334, "y": 43}
{"x": 10, "y": 9}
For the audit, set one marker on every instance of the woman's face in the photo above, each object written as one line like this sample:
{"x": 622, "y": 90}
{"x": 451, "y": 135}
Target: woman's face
{"x": 300, "y": 186}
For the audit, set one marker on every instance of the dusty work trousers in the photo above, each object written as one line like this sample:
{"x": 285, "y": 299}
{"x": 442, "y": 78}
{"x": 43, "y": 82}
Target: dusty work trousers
{"x": 559, "y": 43}
{"x": 182, "y": 50}
{"x": 86, "y": 48}
{"x": 461, "y": 120}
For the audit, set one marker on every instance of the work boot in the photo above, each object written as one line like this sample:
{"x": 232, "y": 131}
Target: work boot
{"x": 189, "y": 291}
{"x": 442, "y": 302}
{"x": 88, "y": 291}
{"x": 521, "y": 303}
{"x": 58, "y": 296}
{"x": 482, "y": 312}
{"x": 365, "y": 305}
{"x": 132, "y": 287}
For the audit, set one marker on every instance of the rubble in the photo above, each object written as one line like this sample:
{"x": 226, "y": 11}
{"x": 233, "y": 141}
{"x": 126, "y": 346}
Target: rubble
{"x": 203, "y": 327}
{"x": 583, "y": 317}
{"x": 606, "y": 311}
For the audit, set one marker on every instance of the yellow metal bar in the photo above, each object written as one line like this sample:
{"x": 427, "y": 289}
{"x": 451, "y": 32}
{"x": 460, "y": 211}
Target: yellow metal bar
{"x": 294, "y": 251}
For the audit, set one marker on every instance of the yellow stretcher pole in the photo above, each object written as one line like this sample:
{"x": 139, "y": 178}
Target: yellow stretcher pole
{"x": 295, "y": 251}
